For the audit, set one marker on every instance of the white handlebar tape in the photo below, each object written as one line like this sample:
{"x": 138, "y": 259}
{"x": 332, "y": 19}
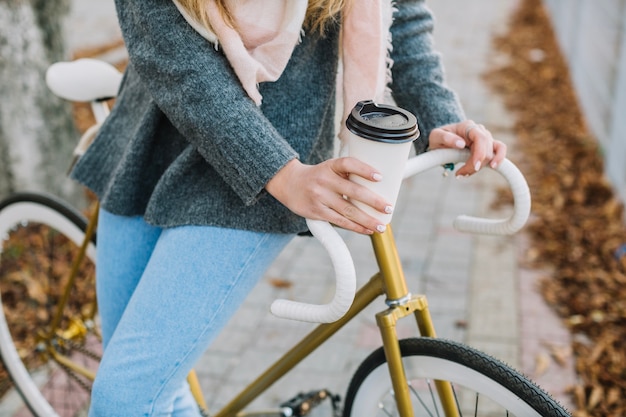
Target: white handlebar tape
{"x": 345, "y": 281}
{"x": 470, "y": 224}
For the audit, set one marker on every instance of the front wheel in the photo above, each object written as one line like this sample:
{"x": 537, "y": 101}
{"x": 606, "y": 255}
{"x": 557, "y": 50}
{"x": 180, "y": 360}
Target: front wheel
{"x": 482, "y": 385}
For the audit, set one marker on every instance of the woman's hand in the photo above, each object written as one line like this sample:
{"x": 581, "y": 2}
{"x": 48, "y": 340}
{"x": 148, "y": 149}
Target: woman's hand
{"x": 467, "y": 134}
{"x": 316, "y": 192}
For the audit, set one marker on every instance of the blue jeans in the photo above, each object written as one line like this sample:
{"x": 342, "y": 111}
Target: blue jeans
{"x": 163, "y": 296}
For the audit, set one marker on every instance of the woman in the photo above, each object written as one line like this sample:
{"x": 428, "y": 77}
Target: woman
{"x": 218, "y": 147}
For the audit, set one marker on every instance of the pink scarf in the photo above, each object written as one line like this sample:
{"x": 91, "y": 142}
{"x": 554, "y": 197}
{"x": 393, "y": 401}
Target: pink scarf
{"x": 267, "y": 32}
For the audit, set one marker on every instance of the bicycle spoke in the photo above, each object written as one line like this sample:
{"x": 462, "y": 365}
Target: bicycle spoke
{"x": 384, "y": 410}
{"x": 432, "y": 396}
{"x": 456, "y": 401}
{"x": 419, "y": 398}
{"x": 476, "y": 406}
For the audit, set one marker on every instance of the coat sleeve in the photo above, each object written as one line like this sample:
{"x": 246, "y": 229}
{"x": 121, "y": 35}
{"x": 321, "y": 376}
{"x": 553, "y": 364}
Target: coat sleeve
{"x": 195, "y": 87}
{"x": 418, "y": 78}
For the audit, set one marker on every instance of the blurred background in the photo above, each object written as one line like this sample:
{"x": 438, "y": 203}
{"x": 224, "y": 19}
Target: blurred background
{"x": 559, "y": 69}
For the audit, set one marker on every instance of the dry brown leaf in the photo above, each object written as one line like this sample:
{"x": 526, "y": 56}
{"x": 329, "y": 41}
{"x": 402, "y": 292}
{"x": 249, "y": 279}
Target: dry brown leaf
{"x": 614, "y": 395}
{"x": 580, "y": 398}
{"x": 560, "y": 353}
{"x": 542, "y": 363}
{"x": 280, "y": 283}
{"x": 597, "y": 394}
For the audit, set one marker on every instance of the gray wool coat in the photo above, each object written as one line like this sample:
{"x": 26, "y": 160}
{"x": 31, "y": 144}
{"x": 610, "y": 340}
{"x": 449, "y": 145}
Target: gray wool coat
{"x": 185, "y": 145}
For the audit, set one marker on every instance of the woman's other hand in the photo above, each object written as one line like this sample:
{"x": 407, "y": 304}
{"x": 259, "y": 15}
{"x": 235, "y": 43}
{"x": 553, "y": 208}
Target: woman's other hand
{"x": 317, "y": 192}
{"x": 467, "y": 134}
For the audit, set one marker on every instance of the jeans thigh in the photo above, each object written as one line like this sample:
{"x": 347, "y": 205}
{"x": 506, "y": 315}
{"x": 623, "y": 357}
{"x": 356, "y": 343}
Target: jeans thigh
{"x": 125, "y": 245}
{"x": 193, "y": 283}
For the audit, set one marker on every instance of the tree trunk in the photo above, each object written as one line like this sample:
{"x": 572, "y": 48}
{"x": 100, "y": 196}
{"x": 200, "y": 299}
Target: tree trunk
{"x": 36, "y": 128}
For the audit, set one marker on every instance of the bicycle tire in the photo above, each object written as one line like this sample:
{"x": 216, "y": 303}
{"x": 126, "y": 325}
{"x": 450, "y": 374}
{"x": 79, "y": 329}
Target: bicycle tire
{"x": 38, "y": 235}
{"x": 508, "y": 392}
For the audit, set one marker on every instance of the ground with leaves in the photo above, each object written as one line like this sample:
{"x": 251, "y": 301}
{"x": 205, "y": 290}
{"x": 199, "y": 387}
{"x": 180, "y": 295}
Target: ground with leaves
{"x": 577, "y": 229}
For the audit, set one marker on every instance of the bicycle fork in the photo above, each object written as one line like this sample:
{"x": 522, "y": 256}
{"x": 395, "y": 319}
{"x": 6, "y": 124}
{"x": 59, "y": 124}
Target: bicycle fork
{"x": 402, "y": 304}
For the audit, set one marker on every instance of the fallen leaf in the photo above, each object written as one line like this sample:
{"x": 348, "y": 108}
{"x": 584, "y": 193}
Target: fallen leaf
{"x": 280, "y": 283}
{"x": 542, "y": 363}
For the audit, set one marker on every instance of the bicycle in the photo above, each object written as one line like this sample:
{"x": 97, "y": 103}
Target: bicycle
{"x": 423, "y": 375}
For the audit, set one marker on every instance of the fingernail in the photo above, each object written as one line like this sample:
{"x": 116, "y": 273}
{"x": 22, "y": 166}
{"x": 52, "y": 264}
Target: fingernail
{"x": 477, "y": 166}
{"x": 461, "y": 177}
{"x": 493, "y": 164}
{"x": 377, "y": 177}
{"x": 381, "y": 228}
{"x": 388, "y": 209}
{"x": 460, "y": 144}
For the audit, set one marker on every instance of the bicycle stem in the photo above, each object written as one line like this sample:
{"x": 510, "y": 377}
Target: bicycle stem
{"x": 390, "y": 266}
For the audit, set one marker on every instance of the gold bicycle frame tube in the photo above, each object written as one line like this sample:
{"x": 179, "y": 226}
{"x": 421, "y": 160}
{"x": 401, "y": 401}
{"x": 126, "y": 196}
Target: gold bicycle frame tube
{"x": 196, "y": 390}
{"x": 389, "y": 281}
{"x": 69, "y": 363}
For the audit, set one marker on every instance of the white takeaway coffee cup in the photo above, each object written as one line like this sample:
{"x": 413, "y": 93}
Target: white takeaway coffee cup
{"x": 381, "y": 136}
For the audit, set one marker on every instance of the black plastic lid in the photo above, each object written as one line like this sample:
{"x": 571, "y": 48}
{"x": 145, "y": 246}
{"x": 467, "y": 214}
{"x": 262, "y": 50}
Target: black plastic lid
{"x": 382, "y": 123}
